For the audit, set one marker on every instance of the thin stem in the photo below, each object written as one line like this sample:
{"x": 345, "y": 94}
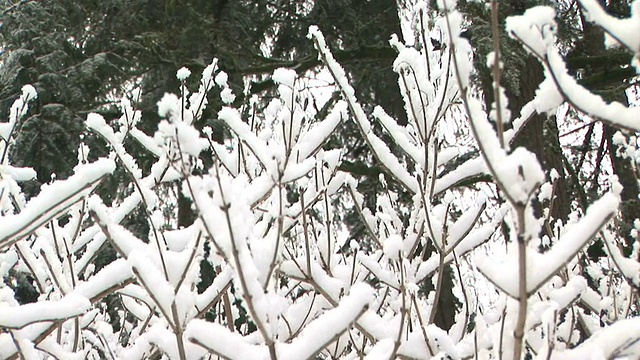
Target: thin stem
{"x": 496, "y": 71}
{"x": 16, "y": 342}
{"x": 464, "y": 295}
{"x": 47, "y": 261}
{"x": 436, "y": 299}
{"x": 178, "y": 332}
{"x": 228, "y": 311}
{"x": 403, "y": 309}
{"x": 305, "y": 234}
{"x": 502, "y": 322}
{"x": 424, "y": 43}
{"x": 306, "y": 317}
{"x": 422, "y": 324}
{"x": 192, "y": 257}
{"x": 29, "y": 266}
{"x": 328, "y": 224}
{"x": 239, "y": 269}
{"x": 5, "y": 151}
{"x": 465, "y": 101}
{"x": 279, "y": 227}
{"x": 522, "y": 291}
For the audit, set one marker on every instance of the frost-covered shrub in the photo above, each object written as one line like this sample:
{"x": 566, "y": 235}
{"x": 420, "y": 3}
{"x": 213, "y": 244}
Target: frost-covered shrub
{"x": 289, "y": 282}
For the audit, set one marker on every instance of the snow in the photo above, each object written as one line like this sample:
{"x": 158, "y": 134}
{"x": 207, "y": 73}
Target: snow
{"x": 468, "y": 169}
{"x": 284, "y": 77}
{"x": 50, "y": 346}
{"x": 5, "y": 130}
{"x": 98, "y": 124}
{"x": 17, "y": 317}
{"x": 232, "y": 118}
{"x": 535, "y": 20}
{"x": 296, "y": 171}
{"x": 617, "y": 340}
{"x": 446, "y": 4}
{"x": 541, "y": 267}
{"x": 328, "y": 326}
{"x": 140, "y": 311}
{"x": 18, "y": 110}
{"x": 7, "y": 261}
{"x": 169, "y": 107}
{"x": 614, "y": 112}
{"x": 189, "y": 139}
{"x": 461, "y": 228}
{"x": 219, "y": 340}
{"x": 382, "y": 350}
{"x": 629, "y": 268}
{"x": 474, "y": 239}
{"x": 546, "y": 191}
{"x": 298, "y": 282}
{"x": 183, "y": 73}
{"x": 52, "y": 200}
{"x": 504, "y": 113}
{"x": 536, "y": 28}
{"x": 372, "y": 263}
{"x": 400, "y": 136}
{"x": 151, "y": 278}
{"x": 227, "y": 96}
{"x": 573, "y": 240}
{"x": 208, "y": 71}
{"x": 331, "y": 288}
{"x": 116, "y": 273}
{"x": 45, "y": 249}
{"x": 138, "y": 349}
{"x": 19, "y": 107}
{"x": 311, "y": 140}
{"x": 221, "y": 281}
{"x": 520, "y": 174}
{"x": 29, "y": 93}
{"x": 18, "y": 173}
{"x": 380, "y": 149}
{"x": 393, "y": 247}
{"x": 146, "y": 141}
{"x": 111, "y": 276}
{"x": 547, "y": 98}
{"x": 625, "y": 30}
{"x": 221, "y": 79}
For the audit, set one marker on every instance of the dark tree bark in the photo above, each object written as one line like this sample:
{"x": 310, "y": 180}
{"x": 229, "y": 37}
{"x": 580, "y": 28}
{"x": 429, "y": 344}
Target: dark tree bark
{"x": 540, "y": 135}
{"x": 521, "y": 76}
{"x": 593, "y": 47}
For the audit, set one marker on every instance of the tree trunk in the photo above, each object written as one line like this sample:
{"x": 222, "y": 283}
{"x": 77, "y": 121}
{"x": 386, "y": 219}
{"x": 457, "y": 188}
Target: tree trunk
{"x": 593, "y": 46}
{"x": 540, "y": 136}
{"x": 522, "y": 74}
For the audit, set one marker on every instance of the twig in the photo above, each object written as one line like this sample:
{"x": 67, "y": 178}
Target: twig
{"x": 496, "y": 71}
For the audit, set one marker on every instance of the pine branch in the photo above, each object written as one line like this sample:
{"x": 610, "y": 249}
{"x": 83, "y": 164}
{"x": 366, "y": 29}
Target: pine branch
{"x": 361, "y": 54}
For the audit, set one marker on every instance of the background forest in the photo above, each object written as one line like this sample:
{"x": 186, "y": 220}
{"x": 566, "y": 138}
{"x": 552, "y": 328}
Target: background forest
{"x": 319, "y": 179}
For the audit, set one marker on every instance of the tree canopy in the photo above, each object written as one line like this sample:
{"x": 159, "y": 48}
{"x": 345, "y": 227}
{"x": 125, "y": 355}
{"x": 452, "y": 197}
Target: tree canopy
{"x": 462, "y": 183}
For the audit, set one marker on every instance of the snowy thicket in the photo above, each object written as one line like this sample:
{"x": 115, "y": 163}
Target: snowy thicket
{"x": 289, "y": 282}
